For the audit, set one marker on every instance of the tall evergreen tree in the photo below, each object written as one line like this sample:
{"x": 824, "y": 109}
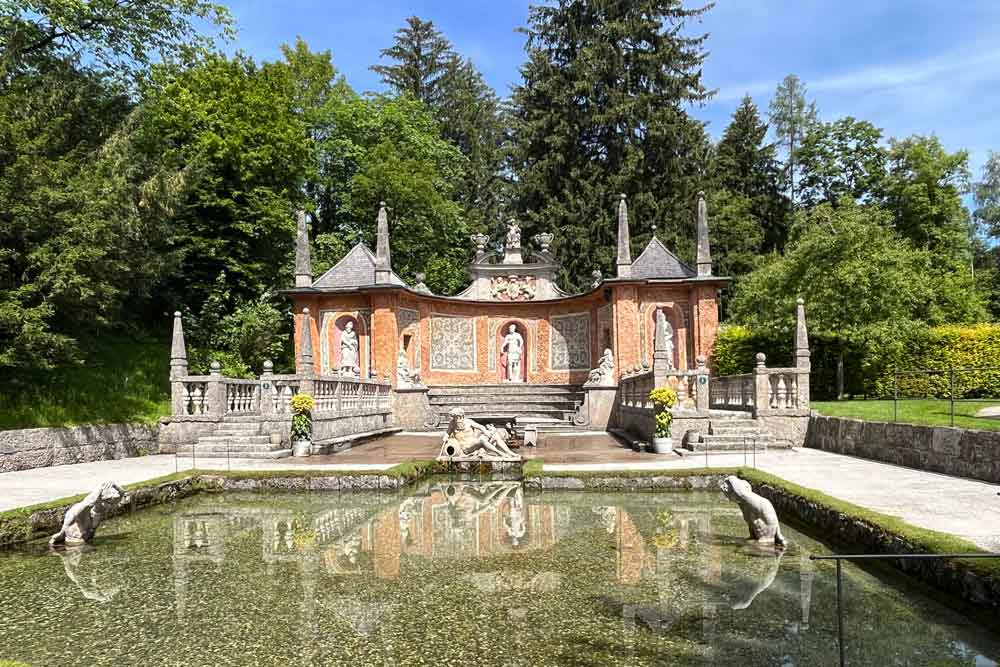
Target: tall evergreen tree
{"x": 467, "y": 109}
{"x": 791, "y": 117}
{"x": 745, "y": 164}
{"x": 602, "y": 110}
{"x": 422, "y": 59}
{"x": 987, "y": 196}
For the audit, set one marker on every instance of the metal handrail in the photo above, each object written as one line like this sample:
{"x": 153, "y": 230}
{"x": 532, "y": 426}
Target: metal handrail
{"x": 843, "y": 557}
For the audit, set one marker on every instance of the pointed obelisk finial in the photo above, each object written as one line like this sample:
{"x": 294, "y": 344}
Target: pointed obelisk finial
{"x": 704, "y": 250}
{"x": 178, "y": 350}
{"x": 801, "y": 336}
{"x": 305, "y": 365}
{"x": 624, "y": 242}
{"x": 303, "y": 260}
{"x": 383, "y": 261}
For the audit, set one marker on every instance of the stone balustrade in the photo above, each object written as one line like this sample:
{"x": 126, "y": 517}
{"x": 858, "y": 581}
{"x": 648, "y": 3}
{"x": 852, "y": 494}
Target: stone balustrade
{"x": 214, "y": 397}
{"x": 733, "y": 392}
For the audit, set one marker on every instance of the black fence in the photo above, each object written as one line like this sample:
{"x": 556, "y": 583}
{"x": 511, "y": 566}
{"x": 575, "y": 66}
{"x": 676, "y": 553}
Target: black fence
{"x": 962, "y": 389}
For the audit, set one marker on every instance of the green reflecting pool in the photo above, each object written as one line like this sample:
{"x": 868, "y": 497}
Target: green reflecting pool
{"x": 458, "y": 574}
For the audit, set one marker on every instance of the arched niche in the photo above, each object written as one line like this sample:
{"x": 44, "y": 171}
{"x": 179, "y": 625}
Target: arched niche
{"x": 674, "y": 317}
{"x": 521, "y": 328}
{"x": 335, "y": 324}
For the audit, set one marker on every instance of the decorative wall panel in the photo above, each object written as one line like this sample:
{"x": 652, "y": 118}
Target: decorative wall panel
{"x": 570, "y": 345}
{"x": 453, "y": 343}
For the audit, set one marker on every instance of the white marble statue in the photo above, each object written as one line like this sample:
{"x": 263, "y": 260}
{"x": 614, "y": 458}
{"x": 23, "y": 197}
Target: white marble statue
{"x": 513, "y": 235}
{"x": 469, "y": 440}
{"x": 604, "y": 374}
{"x": 758, "y": 512}
{"x": 82, "y": 519}
{"x": 664, "y": 337}
{"x": 349, "y": 350}
{"x": 405, "y": 377}
{"x": 513, "y": 346}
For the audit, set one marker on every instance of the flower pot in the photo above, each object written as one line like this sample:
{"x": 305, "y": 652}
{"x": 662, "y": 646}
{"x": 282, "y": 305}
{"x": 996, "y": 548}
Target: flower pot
{"x": 301, "y": 447}
{"x": 663, "y": 445}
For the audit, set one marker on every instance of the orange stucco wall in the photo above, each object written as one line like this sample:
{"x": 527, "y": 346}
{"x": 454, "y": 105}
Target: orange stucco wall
{"x": 621, "y": 313}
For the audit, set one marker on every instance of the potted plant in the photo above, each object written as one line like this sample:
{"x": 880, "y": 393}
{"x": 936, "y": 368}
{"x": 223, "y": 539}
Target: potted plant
{"x": 663, "y": 399}
{"x": 302, "y": 424}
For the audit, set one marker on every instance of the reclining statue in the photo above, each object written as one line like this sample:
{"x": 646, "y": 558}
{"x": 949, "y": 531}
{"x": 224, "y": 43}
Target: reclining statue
{"x": 82, "y": 519}
{"x": 468, "y": 439}
{"x": 758, "y": 511}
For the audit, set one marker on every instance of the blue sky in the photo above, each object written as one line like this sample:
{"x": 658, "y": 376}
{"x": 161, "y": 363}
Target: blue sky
{"x": 909, "y": 66}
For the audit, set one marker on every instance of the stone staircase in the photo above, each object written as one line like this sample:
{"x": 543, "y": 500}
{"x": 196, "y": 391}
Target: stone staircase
{"x": 236, "y": 437}
{"x": 550, "y": 407}
{"x": 733, "y": 431}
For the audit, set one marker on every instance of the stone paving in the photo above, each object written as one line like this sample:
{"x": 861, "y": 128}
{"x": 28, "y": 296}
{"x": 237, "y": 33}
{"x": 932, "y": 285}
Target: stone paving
{"x": 964, "y": 507}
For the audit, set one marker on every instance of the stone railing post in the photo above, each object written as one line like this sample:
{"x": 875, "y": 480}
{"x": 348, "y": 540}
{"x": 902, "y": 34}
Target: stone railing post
{"x": 762, "y": 386}
{"x": 215, "y": 392}
{"x": 178, "y": 368}
{"x": 267, "y": 390}
{"x": 701, "y": 385}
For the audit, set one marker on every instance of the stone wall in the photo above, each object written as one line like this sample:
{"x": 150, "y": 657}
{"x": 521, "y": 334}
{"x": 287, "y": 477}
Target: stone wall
{"x": 952, "y": 577}
{"x": 953, "y": 451}
{"x": 24, "y": 449}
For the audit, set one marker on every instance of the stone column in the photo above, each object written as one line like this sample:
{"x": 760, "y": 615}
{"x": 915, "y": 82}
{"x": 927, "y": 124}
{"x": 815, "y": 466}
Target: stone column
{"x": 178, "y": 367}
{"x": 802, "y": 362}
{"x": 624, "y": 261}
{"x": 215, "y": 392}
{"x": 762, "y": 386}
{"x": 704, "y": 251}
{"x": 701, "y": 386}
{"x": 267, "y": 390}
{"x": 383, "y": 258}
{"x": 305, "y": 367}
{"x": 303, "y": 263}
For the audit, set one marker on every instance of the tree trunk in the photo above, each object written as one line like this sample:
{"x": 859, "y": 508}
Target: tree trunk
{"x": 840, "y": 375}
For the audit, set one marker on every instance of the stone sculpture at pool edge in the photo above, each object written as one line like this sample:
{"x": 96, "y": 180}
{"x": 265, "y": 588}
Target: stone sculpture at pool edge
{"x": 758, "y": 512}
{"x": 82, "y": 519}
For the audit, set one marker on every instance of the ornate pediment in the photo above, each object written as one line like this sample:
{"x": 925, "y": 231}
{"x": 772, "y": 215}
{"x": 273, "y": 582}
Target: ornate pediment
{"x": 513, "y": 288}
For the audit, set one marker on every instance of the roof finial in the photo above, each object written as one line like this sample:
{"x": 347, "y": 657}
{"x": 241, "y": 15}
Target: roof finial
{"x": 383, "y": 261}
{"x": 624, "y": 262}
{"x": 704, "y": 250}
{"x": 303, "y": 262}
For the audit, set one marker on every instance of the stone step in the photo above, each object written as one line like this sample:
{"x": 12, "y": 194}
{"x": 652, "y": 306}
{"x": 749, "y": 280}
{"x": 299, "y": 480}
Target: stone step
{"x": 517, "y": 398}
{"x": 241, "y": 419}
{"x": 734, "y": 430}
{"x": 504, "y": 406}
{"x": 255, "y": 452}
{"x": 762, "y": 437}
{"x": 511, "y": 388}
{"x": 236, "y": 432}
{"x": 234, "y": 441}
{"x": 729, "y": 414}
{"x": 727, "y": 446}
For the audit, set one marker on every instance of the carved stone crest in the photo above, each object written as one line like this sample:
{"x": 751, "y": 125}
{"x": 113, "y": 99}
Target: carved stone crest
{"x": 512, "y": 288}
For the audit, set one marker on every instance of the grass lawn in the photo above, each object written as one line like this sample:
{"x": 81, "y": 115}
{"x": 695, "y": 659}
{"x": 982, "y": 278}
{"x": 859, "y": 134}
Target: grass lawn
{"x": 124, "y": 380}
{"x": 930, "y": 412}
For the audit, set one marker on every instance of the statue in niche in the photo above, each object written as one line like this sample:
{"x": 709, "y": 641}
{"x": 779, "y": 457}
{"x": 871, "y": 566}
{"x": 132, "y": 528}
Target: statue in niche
{"x": 405, "y": 377}
{"x": 758, "y": 512}
{"x": 513, "y": 235}
{"x": 663, "y": 340}
{"x": 82, "y": 519}
{"x": 469, "y": 440}
{"x": 349, "y": 351}
{"x": 604, "y": 374}
{"x": 513, "y": 348}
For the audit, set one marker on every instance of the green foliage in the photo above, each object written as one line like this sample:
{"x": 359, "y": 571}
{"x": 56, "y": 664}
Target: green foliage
{"x": 791, "y": 119}
{"x": 928, "y": 412}
{"x": 734, "y": 350}
{"x": 121, "y": 37}
{"x": 842, "y": 159}
{"x": 987, "y": 196}
{"x": 853, "y": 272}
{"x": 924, "y": 190}
{"x": 663, "y": 399}
{"x": 123, "y": 380}
{"x": 601, "y": 111}
{"x": 301, "y": 419}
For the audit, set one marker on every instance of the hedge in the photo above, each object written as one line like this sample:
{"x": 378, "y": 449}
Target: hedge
{"x": 869, "y": 367}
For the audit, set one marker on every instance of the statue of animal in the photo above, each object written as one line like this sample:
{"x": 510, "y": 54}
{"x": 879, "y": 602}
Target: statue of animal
{"x": 82, "y": 519}
{"x": 758, "y": 512}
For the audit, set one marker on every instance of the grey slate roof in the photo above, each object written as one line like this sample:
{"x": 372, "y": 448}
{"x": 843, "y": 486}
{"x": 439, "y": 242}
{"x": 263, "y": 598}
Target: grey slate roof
{"x": 658, "y": 262}
{"x": 356, "y": 269}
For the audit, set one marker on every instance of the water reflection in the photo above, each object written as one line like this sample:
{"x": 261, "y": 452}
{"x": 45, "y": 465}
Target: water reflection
{"x": 482, "y": 573}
